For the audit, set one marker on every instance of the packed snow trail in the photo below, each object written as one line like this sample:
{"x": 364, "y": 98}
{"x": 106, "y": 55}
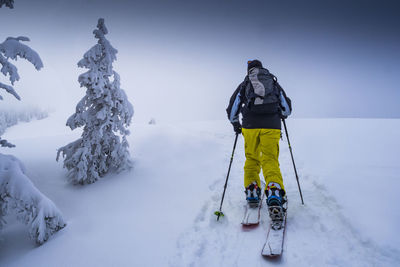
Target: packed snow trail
{"x": 167, "y": 203}
{"x": 317, "y": 233}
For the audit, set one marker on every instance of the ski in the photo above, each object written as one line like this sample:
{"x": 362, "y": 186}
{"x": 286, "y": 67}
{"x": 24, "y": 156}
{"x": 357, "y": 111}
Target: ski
{"x": 273, "y": 247}
{"x": 252, "y": 215}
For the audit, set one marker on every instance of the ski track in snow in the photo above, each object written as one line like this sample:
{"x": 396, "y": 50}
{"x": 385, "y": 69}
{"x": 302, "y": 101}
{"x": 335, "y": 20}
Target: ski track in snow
{"x": 317, "y": 233}
{"x": 182, "y": 227}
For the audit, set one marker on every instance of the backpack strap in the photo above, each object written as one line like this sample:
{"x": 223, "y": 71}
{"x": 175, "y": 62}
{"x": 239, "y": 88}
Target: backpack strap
{"x": 248, "y": 97}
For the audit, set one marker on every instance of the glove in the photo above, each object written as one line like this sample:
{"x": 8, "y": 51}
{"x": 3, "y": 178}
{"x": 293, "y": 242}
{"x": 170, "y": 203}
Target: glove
{"x": 237, "y": 127}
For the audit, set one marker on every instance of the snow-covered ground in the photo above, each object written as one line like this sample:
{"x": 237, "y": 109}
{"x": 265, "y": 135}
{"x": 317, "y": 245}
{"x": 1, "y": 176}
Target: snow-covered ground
{"x": 161, "y": 213}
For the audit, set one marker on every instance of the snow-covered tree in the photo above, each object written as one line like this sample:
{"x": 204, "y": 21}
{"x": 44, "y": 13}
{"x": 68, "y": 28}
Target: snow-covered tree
{"x": 12, "y": 48}
{"x": 7, "y": 3}
{"x": 18, "y": 195}
{"x": 105, "y": 114}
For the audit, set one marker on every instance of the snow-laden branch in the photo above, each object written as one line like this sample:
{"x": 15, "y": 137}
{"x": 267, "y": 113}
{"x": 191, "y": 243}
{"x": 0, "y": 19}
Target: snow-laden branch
{"x": 7, "y": 3}
{"x": 12, "y": 48}
{"x": 8, "y": 69}
{"x": 9, "y": 90}
{"x": 5, "y": 143}
{"x": 19, "y": 195}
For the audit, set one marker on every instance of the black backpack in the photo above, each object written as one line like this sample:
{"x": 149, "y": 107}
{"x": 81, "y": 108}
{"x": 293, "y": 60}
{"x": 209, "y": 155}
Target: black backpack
{"x": 264, "y": 94}
{"x": 261, "y": 91}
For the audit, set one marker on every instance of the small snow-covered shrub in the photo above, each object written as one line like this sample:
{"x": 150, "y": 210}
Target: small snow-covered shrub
{"x": 104, "y": 113}
{"x": 152, "y": 121}
{"x": 20, "y": 196}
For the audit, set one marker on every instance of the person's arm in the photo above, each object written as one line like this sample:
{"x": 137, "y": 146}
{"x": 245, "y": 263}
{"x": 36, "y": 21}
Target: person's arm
{"x": 235, "y": 104}
{"x": 285, "y": 103}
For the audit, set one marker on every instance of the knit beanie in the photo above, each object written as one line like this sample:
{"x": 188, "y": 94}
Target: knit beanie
{"x": 254, "y": 63}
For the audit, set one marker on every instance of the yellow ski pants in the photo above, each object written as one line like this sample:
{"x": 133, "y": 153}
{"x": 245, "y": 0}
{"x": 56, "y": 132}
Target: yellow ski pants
{"x": 261, "y": 147}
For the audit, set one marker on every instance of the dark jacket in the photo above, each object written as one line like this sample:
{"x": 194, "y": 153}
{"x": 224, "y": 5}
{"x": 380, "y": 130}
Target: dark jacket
{"x": 250, "y": 119}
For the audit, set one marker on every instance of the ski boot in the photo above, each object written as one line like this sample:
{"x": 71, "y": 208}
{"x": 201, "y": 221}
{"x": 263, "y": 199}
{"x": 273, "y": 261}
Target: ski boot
{"x": 277, "y": 204}
{"x": 253, "y": 194}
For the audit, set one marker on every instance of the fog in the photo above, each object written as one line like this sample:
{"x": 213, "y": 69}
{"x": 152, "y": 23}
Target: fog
{"x": 182, "y": 60}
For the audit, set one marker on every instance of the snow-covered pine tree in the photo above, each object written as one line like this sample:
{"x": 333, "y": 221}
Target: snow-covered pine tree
{"x": 12, "y": 48}
{"x": 19, "y": 196}
{"x": 17, "y": 193}
{"x": 105, "y": 114}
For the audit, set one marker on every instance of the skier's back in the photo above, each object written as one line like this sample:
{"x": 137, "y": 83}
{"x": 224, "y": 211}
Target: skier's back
{"x": 262, "y": 102}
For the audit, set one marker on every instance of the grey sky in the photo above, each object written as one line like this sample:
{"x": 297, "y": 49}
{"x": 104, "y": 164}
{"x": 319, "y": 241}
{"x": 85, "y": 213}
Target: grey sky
{"x": 183, "y": 59}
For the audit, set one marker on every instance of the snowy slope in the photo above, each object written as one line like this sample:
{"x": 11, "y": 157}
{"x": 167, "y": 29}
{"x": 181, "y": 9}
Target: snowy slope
{"x": 161, "y": 213}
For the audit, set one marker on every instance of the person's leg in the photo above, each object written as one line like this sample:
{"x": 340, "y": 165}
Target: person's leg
{"x": 269, "y": 145}
{"x": 252, "y": 165}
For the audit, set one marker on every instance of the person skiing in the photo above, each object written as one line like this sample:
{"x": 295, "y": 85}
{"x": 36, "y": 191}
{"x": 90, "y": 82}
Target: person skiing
{"x": 263, "y": 103}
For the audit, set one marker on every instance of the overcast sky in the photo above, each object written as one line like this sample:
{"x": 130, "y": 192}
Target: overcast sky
{"x": 182, "y": 60}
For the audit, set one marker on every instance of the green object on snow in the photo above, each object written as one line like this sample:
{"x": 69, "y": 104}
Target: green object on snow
{"x": 219, "y": 214}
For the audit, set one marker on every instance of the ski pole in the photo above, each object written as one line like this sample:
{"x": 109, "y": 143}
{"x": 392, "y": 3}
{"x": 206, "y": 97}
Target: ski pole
{"x": 294, "y": 165}
{"x": 220, "y": 213}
